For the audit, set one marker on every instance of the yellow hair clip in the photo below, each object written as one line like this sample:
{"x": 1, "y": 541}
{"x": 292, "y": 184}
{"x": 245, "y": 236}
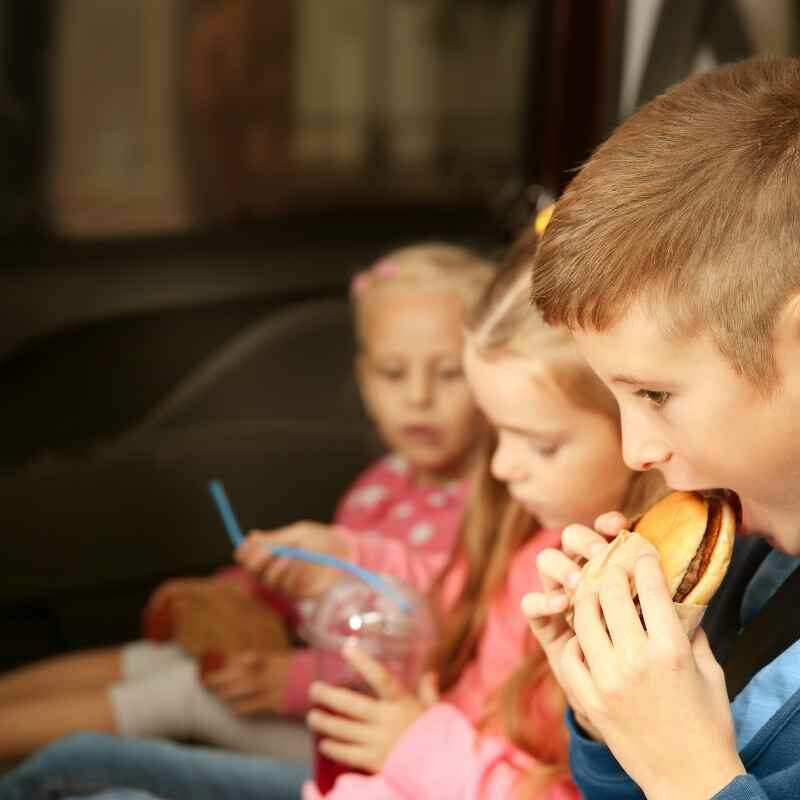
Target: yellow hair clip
{"x": 542, "y": 219}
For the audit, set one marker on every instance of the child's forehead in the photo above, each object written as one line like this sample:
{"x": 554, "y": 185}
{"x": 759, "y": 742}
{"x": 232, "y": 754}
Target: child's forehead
{"x": 427, "y": 328}
{"x": 637, "y": 345}
{"x": 411, "y": 308}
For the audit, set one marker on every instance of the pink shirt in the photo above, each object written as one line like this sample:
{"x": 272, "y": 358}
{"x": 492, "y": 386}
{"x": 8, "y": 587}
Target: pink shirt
{"x": 471, "y": 765}
{"x": 386, "y": 501}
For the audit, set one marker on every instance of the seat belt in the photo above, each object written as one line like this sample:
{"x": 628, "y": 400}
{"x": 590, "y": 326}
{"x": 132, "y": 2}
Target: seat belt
{"x": 774, "y": 629}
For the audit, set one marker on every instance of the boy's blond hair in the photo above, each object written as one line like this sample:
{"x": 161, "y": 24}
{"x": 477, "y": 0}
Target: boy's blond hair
{"x": 692, "y": 208}
{"x": 426, "y": 265}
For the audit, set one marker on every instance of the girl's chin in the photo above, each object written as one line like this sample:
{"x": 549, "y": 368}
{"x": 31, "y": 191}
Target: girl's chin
{"x": 545, "y": 519}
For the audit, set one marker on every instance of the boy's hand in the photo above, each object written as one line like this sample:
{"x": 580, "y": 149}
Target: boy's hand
{"x": 297, "y": 579}
{"x": 250, "y": 683}
{"x": 369, "y": 727}
{"x": 658, "y": 700}
{"x": 559, "y": 571}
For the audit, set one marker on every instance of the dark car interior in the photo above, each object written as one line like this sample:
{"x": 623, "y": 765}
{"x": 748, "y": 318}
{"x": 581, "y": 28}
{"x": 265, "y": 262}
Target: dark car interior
{"x": 139, "y": 361}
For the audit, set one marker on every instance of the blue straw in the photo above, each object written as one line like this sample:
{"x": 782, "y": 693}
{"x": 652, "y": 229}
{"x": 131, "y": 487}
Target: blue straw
{"x": 234, "y": 532}
{"x": 323, "y": 559}
{"x": 226, "y": 512}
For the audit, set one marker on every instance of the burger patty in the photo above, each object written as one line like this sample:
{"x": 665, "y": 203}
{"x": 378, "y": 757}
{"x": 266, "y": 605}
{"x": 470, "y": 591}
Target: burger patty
{"x": 701, "y": 558}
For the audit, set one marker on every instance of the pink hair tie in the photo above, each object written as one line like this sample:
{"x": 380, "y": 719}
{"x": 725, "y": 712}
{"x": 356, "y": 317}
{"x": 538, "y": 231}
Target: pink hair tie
{"x": 386, "y": 267}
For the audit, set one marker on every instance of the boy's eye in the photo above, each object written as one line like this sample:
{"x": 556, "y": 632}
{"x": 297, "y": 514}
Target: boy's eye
{"x": 658, "y": 399}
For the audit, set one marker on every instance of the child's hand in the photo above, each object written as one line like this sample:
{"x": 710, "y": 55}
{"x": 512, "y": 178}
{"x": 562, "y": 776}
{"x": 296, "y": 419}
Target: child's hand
{"x": 251, "y": 682}
{"x": 560, "y": 570}
{"x": 297, "y": 579}
{"x": 658, "y": 700}
{"x": 368, "y": 728}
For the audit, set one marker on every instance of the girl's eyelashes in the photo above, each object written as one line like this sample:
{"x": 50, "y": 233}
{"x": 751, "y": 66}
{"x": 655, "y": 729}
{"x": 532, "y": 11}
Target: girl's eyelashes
{"x": 545, "y": 449}
{"x": 451, "y": 373}
{"x": 390, "y": 373}
{"x": 397, "y": 373}
{"x": 656, "y": 398}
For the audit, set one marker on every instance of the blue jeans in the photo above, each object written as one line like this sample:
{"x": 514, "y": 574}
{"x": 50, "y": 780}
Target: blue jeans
{"x": 89, "y": 763}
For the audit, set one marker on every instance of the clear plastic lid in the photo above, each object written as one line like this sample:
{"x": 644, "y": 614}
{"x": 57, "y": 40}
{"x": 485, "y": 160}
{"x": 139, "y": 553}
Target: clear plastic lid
{"x": 386, "y": 624}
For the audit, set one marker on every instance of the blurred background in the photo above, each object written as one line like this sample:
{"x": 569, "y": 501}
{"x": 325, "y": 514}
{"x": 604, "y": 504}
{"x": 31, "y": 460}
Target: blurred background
{"x": 187, "y": 186}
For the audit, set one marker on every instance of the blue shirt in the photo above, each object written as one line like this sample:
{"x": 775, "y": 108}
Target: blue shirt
{"x": 770, "y": 688}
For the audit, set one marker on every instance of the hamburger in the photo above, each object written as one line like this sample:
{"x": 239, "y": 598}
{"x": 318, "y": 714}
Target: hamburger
{"x": 693, "y": 535}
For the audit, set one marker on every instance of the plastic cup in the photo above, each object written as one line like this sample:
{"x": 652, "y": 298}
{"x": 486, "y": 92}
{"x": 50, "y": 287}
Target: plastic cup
{"x": 398, "y": 637}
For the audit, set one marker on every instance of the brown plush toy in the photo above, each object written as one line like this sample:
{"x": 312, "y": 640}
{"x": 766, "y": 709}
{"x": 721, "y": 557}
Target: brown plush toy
{"x": 217, "y": 616}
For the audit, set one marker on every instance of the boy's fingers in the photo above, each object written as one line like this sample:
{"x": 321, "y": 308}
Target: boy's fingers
{"x": 620, "y": 614}
{"x": 659, "y": 614}
{"x": 383, "y": 683}
{"x": 556, "y": 570}
{"x": 582, "y": 542}
{"x": 344, "y": 701}
{"x": 590, "y": 630}
{"x": 576, "y": 675}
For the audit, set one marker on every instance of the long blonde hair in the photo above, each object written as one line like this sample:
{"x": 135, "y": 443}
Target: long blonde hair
{"x": 496, "y": 527}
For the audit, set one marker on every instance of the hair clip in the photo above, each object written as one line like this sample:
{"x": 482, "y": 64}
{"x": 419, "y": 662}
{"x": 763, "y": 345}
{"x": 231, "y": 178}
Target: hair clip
{"x": 385, "y": 267}
{"x": 542, "y": 219}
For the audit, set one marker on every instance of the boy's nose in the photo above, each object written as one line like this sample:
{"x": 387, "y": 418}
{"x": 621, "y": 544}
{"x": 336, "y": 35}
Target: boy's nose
{"x": 642, "y": 448}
